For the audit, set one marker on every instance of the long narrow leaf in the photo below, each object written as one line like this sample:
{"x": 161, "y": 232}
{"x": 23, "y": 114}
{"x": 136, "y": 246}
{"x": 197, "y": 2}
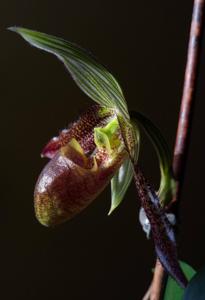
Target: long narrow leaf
{"x": 89, "y": 75}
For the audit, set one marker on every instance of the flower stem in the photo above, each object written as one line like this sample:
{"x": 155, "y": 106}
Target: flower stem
{"x": 156, "y": 288}
{"x": 184, "y": 123}
{"x": 187, "y": 102}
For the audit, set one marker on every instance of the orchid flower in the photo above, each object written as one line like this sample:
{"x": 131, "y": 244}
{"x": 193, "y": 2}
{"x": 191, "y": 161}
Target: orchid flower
{"x": 83, "y": 160}
{"x": 102, "y": 146}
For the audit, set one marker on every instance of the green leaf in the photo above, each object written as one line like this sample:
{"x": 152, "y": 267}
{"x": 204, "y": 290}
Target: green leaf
{"x": 167, "y": 182}
{"x": 173, "y": 291}
{"x": 122, "y": 179}
{"x": 196, "y": 287}
{"x": 89, "y": 75}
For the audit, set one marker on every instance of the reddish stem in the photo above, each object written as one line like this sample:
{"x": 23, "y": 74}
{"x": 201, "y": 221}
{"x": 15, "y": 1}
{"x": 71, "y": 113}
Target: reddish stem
{"x": 185, "y": 121}
{"x": 187, "y": 102}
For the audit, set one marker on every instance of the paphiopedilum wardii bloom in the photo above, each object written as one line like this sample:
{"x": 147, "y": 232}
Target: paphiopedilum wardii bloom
{"x": 100, "y": 147}
{"x": 83, "y": 160}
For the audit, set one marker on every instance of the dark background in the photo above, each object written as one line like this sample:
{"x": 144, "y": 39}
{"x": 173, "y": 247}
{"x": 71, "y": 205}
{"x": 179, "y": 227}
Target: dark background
{"x": 93, "y": 256}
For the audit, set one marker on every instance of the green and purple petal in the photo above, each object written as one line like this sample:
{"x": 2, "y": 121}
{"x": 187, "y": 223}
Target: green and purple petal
{"x": 162, "y": 231}
{"x": 72, "y": 179}
{"x": 81, "y": 130}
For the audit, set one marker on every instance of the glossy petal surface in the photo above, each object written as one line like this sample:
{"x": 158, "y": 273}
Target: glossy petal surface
{"x": 72, "y": 180}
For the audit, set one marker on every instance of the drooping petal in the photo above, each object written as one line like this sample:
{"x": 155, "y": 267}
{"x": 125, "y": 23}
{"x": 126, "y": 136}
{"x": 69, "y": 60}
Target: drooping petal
{"x": 167, "y": 186}
{"x": 81, "y": 130}
{"x": 162, "y": 231}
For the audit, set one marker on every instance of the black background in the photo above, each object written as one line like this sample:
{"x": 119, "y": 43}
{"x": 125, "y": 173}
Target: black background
{"x": 93, "y": 256}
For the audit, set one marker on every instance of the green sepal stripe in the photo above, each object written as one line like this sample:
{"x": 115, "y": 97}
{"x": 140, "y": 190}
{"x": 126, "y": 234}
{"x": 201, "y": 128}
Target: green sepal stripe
{"x": 122, "y": 179}
{"x": 93, "y": 79}
{"x": 120, "y": 183}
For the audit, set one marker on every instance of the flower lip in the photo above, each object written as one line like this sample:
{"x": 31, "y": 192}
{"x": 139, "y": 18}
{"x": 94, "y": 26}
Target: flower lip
{"x": 72, "y": 179}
